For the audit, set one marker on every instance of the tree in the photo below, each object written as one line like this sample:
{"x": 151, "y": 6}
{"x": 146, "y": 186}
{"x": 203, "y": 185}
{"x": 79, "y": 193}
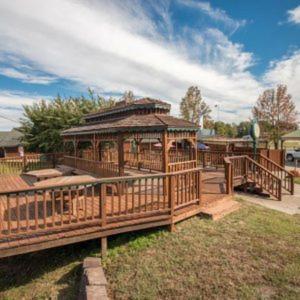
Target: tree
{"x": 243, "y": 128}
{"x": 128, "y": 97}
{"x": 192, "y": 107}
{"x": 44, "y": 121}
{"x": 276, "y": 113}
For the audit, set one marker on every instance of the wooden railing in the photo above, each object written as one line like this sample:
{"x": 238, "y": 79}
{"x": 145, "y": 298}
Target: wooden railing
{"x": 100, "y": 168}
{"x": 209, "y": 158}
{"x": 101, "y": 202}
{"x": 286, "y": 177}
{"x": 17, "y": 165}
{"x": 151, "y": 160}
{"x": 243, "y": 169}
{"x": 184, "y": 165}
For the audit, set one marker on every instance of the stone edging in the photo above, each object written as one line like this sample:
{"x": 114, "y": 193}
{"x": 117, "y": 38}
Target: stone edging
{"x": 93, "y": 281}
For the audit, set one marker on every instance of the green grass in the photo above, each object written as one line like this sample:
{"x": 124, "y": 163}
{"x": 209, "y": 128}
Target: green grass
{"x": 253, "y": 253}
{"x": 297, "y": 180}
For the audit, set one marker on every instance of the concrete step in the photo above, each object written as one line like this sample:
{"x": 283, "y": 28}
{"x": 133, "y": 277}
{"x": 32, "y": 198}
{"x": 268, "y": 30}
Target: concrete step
{"x": 220, "y": 209}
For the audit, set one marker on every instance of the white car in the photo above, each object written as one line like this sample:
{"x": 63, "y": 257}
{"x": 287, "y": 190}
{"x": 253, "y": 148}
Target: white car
{"x": 291, "y": 155}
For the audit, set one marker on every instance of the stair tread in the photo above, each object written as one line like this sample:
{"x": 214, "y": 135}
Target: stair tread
{"x": 221, "y": 207}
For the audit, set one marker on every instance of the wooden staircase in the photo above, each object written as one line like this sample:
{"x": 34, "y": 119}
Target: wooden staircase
{"x": 263, "y": 173}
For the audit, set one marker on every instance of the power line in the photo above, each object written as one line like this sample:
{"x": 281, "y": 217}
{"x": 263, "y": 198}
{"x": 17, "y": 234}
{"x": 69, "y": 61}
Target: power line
{"x": 8, "y": 119}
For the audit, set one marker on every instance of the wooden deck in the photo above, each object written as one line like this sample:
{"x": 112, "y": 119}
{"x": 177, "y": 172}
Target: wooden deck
{"x": 40, "y": 220}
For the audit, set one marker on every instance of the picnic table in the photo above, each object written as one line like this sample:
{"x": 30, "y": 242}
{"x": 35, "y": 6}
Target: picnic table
{"x": 73, "y": 196}
{"x": 45, "y": 174}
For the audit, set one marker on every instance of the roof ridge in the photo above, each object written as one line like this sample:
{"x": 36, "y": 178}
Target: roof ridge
{"x": 157, "y": 117}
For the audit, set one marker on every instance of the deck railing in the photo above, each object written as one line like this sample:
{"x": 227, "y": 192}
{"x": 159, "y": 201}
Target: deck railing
{"x": 184, "y": 165}
{"x": 214, "y": 158}
{"x": 286, "y": 177}
{"x": 244, "y": 169}
{"x": 100, "y": 168}
{"x": 151, "y": 160}
{"x": 17, "y": 165}
{"x": 102, "y": 202}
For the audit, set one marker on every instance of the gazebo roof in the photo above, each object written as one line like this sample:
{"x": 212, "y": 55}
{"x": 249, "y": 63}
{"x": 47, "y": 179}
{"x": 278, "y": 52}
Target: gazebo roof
{"x": 135, "y": 123}
{"x": 123, "y": 106}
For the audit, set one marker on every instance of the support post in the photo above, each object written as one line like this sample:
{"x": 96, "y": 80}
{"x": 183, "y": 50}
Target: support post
{"x": 200, "y": 187}
{"x": 121, "y": 154}
{"x": 165, "y": 151}
{"x": 103, "y": 246}
{"x": 171, "y": 193}
{"x": 103, "y": 217}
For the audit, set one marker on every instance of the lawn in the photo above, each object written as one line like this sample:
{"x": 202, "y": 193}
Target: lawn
{"x": 297, "y": 180}
{"x": 252, "y": 253}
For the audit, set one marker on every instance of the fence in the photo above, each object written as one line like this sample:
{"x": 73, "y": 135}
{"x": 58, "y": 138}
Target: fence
{"x": 17, "y": 165}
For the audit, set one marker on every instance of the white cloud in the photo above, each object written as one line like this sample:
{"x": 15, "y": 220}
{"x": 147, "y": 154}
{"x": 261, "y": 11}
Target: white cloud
{"x": 115, "y": 46}
{"x": 11, "y": 107}
{"x": 214, "y": 13}
{"x": 286, "y": 71}
{"x": 26, "y": 76}
{"x": 294, "y": 15}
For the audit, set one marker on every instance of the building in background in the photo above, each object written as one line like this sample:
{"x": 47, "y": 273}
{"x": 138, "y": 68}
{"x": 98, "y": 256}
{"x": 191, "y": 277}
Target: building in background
{"x": 10, "y": 144}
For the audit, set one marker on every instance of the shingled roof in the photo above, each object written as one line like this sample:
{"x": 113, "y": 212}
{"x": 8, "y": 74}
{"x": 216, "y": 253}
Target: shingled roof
{"x": 134, "y": 123}
{"x": 294, "y": 135}
{"x": 10, "y": 138}
{"x": 123, "y": 106}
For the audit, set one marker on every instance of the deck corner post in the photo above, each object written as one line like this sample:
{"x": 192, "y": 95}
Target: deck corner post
{"x": 280, "y": 190}
{"x": 103, "y": 246}
{"x": 103, "y": 204}
{"x": 171, "y": 194}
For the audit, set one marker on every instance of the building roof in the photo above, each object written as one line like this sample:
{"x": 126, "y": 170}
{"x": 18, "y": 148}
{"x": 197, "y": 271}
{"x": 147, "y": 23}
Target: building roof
{"x": 10, "y": 138}
{"x": 294, "y": 135}
{"x": 123, "y": 106}
{"x": 134, "y": 123}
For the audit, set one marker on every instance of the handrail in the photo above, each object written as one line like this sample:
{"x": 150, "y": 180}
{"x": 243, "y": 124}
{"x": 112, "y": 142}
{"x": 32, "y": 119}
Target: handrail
{"x": 249, "y": 168}
{"x": 286, "y": 176}
{"x": 101, "y": 180}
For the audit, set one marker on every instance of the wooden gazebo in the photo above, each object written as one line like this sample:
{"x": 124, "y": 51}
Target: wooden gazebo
{"x": 138, "y": 134}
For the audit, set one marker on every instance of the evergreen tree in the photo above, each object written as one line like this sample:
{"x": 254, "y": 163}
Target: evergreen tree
{"x": 44, "y": 121}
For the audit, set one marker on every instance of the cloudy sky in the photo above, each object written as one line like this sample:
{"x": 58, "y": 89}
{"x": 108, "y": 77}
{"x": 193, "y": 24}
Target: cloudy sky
{"x": 232, "y": 50}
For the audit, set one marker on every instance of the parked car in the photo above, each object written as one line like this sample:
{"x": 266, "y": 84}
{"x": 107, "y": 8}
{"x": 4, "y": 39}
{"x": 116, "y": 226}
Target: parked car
{"x": 247, "y": 138}
{"x": 202, "y": 146}
{"x": 291, "y": 155}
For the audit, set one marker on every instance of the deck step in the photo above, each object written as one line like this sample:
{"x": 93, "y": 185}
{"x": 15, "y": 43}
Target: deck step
{"x": 220, "y": 209}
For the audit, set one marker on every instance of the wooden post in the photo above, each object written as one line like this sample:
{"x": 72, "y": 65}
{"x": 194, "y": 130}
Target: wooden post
{"x": 103, "y": 217}
{"x": 228, "y": 177}
{"x": 280, "y": 190}
{"x": 75, "y": 151}
{"x": 171, "y": 193}
{"x": 165, "y": 151}
{"x": 121, "y": 155}
{"x": 200, "y": 186}
{"x": 292, "y": 186}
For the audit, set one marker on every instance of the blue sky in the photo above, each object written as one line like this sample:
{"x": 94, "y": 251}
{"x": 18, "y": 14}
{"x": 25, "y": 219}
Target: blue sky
{"x": 232, "y": 50}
